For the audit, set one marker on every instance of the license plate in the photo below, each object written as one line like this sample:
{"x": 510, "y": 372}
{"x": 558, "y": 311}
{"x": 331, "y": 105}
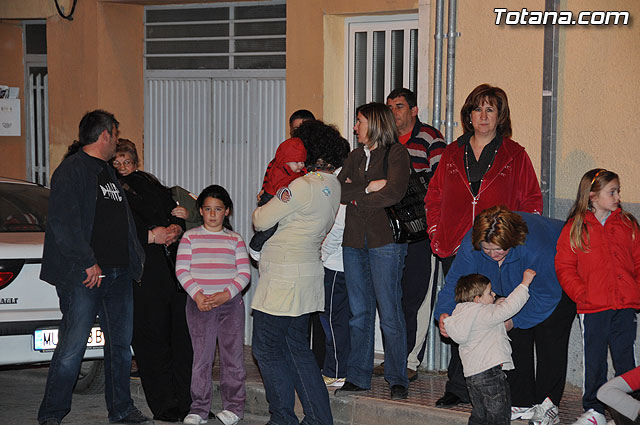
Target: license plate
{"x": 47, "y": 339}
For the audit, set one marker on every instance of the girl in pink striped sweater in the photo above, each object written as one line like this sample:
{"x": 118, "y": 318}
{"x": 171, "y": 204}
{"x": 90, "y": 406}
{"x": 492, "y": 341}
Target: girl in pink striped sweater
{"x": 213, "y": 267}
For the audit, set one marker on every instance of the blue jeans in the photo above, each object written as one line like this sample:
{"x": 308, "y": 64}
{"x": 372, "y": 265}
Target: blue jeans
{"x": 490, "y": 396}
{"x": 281, "y": 347}
{"x": 113, "y": 302}
{"x": 375, "y": 275}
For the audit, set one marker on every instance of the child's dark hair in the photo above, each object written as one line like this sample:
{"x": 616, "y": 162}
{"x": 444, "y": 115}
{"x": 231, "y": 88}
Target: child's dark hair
{"x": 217, "y": 192}
{"x": 470, "y": 286}
{"x": 301, "y": 114}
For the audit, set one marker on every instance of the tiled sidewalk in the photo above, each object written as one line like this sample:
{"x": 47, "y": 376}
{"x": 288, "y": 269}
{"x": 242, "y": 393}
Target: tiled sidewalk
{"x": 424, "y": 391}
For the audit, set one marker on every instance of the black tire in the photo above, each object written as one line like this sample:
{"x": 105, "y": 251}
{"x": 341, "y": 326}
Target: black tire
{"x": 91, "y": 378}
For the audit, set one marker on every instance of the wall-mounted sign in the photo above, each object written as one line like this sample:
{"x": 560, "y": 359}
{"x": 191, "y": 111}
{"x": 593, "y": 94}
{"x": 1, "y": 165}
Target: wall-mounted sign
{"x": 9, "y": 117}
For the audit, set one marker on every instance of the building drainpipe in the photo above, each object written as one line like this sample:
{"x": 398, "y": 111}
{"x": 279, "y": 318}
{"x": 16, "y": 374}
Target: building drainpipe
{"x": 451, "y": 36}
{"x": 439, "y": 36}
{"x": 437, "y": 65}
{"x": 451, "y": 69}
{"x": 549, "y": 113}
{"x": 450, "y": 123}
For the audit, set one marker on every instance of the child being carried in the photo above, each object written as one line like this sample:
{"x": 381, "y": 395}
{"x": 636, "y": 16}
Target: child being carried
{"x": 287, "y": 166}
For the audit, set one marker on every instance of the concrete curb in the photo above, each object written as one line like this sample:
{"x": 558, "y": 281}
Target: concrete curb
{"x": 356, "y": 410}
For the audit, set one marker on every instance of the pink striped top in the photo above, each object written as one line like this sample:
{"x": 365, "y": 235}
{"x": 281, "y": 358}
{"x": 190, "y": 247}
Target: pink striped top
{"x": 212, "y": 261}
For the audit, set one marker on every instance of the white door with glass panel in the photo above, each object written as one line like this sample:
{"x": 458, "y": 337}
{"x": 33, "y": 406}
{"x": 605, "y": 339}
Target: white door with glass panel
{"x": 382, "y": 56}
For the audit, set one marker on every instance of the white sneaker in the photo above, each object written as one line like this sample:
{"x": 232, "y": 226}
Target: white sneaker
{"x": 521, "y": 412}
{"x": 254, "y": 254}
{"x": 545, "y": 413}
{"x": 333, "y": 382}
{"x": 227, "y": 417}
{"x": 591, "y": 417}
{"x": 193, "y": 419}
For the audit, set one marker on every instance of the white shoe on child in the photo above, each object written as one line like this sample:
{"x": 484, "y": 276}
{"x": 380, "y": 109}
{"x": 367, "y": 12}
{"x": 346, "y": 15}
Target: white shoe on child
{"x": 545, "y": 413}
{"x": 227, "y": 417}
{"x": 591, "y": 417}
{"x": 254, "y": 254}
{"x": 193, "y": 419}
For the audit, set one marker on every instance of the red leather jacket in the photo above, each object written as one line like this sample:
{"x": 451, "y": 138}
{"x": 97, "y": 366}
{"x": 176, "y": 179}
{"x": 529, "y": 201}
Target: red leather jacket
{"x": 451, "y": 206}
{"x": 607, "y": 277}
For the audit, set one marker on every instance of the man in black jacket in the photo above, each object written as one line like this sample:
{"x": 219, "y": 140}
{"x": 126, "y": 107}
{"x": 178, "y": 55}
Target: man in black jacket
{"x": 91, "y": 255}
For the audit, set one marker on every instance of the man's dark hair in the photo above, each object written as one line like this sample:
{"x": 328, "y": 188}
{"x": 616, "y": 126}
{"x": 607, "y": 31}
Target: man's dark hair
{"x": 301, "y": 114}
{"x": 90, "y": 128}
{"x": 323, "y": 142}
{"x": 93, "y": 124}
{"x": 408, "y": 95}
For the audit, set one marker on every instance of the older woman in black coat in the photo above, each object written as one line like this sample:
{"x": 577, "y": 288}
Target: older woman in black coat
{"x": 161, "y": 339}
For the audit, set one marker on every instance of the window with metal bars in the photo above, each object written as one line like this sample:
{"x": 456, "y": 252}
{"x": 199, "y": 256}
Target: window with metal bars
{"x": 216, "y": 37}
{"x": 382, "y": 56}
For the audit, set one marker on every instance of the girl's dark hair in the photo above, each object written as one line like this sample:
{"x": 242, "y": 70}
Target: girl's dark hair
{"x": 217, "y": 192}
{"x": 73, "y": 148}
{"x": 323, "y": 143}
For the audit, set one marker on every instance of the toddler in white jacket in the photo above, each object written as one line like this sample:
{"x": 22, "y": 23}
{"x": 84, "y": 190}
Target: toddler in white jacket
{"x": 477, "y": 325}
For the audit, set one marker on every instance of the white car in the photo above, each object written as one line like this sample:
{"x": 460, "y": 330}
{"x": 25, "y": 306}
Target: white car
{"x": 29, "y": 307}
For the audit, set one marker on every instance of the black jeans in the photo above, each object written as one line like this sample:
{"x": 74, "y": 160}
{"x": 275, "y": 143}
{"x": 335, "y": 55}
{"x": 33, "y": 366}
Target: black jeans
{"x": 490, "y": 397}
{"x": 456, "y": 382}
{"x": 417, "y": 279}
{"x": 534, "y": 380}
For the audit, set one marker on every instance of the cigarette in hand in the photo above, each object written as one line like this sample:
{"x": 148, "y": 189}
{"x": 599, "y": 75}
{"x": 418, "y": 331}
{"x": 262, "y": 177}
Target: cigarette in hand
{"x": 102, "y": 275}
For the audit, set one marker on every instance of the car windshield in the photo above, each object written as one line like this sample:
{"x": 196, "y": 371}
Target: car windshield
{"x": 23, "y": 208}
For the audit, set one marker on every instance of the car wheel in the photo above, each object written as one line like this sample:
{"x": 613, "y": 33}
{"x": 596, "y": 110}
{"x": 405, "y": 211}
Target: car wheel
{"x": 91, "y": 378}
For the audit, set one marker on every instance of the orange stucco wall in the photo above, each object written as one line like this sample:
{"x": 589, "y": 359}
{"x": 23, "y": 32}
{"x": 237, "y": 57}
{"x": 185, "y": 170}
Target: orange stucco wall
{"x": 95, "y": 61}
{"x": 306, "y": 39}
{"x": 597, "y": 84}
{"x": 32, "y": 9}
{"x": 12, "y": 148}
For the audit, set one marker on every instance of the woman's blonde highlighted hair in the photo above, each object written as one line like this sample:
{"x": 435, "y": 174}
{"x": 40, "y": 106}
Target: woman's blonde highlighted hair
{"x": 593, "y": 181}
{"x": 500, "y": 226}
{"x": 381, "y": 124}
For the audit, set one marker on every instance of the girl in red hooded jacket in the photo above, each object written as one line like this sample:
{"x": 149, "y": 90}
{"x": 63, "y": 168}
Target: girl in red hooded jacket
{"x": 598, "y": 266}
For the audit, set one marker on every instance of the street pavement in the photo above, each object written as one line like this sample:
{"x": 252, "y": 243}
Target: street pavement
{"x": 21, "y": 391}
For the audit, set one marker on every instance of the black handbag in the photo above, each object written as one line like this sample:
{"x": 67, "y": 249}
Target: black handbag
{"x": 408, "y": 218}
